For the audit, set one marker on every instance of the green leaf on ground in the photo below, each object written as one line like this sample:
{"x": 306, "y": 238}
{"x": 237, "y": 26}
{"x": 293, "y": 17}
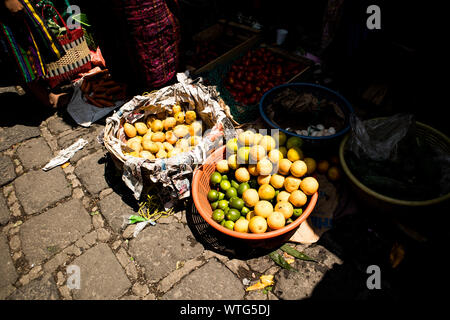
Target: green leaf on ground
{"x": 279, "y": 260}
{"x": 296, "y": 254}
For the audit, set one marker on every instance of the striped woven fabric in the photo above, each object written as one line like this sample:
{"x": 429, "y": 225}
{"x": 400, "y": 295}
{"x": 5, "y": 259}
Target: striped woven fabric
{"x": 28, "y": 43}
{"x": 156, "y": 35}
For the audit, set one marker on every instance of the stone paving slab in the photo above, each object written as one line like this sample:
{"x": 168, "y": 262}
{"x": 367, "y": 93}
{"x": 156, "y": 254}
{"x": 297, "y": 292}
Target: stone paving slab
{"x": 212, "y": 281}
{"x": 4, "y": 211}
{"x": 8, "y": 274}
{"x": 39, "y": 289}
{"x": 34, "y": 153}
{"x": 16, "y": 134}
{"x": 102, "y": 277}
{"x": 115, "y": 210}
{"x": 159, "y": 249}
{"x": 300, "y": 285}
{"x": 36, "y": 190}
{"x": 91, "y": 171}
{"x": 48, "y": 233}
{"x": 58, "y": 125}
{"x": 8, "y": 173}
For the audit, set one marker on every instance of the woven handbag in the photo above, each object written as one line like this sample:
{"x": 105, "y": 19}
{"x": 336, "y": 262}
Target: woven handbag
{"x": 77, "y": 58}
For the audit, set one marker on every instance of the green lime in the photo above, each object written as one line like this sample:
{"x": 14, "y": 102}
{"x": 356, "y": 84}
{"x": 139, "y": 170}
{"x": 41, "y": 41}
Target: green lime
{"x": 229, "y": 224}
{"x": 223, "y": 222}
{"x": 225, "y": 185}
{"x": 224, "y": 177}
{"x": 221, "y": 195}
{"x": 245, "y": 211}
{"x": 213, "y": 195}
{"x": 214, "y": 205}
{"x": 242, "y": 187}
{"x": 233, "y": 215}
{"x": 297, "y": 212}
{"x": 222, "y": 204}
{"x": 235, "y": 184}
{"x": 218, "y": 215}
{"x": 231, "y": 192}
{"x": 226, "y": 210}
{"x": 289, "y": 221}
{"x": 215, "y": 178}
{"x": 237, "y": 203}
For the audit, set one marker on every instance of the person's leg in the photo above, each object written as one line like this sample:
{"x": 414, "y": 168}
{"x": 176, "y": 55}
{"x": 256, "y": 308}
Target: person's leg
{"x": 39, "y": 91}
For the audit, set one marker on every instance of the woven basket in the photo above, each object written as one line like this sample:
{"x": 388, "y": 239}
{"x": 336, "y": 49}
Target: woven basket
{"x": 376, "y": 200}
{"x": 77, "y": 58}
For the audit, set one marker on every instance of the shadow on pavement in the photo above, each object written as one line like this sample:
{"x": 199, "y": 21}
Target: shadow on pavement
{"x": 22, "y": 109}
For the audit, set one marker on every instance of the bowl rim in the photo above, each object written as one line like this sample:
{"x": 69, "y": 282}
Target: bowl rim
{"x": 305, "y": 84}
{"x": 379, "y": 196}
{"x": 247, "y": 236}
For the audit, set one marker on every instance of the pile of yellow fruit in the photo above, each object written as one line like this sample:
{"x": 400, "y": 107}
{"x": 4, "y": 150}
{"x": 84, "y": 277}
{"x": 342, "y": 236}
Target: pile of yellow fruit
{"x": 272, "y": 181}
{"x": 163, "y": 135}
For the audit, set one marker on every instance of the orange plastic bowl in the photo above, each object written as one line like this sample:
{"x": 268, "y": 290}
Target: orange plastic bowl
{"x": 201, "y": 187}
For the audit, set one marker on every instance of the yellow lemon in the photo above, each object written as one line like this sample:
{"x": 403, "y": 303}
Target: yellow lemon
{"x": 295, "y": 154}
{"x": 250, "y": 197}
{"x": 266, "y": 192}
{"x": 222, "y": 166}
{"x": 268, "y": 143}
{"x": 277, "y": 181}
{"x": 263, "y": 208}
{"x": 285, "y": 208}
{"x": 264, "y": 179}
{"x": 241, "y": 225}
{"x": 257, "y": 224}
{"x": 276, "y": 220}
{"x": 242, "y": 175}
{"x": 257, "y": 153}
{"x": 253, "y": 170}
{"x": 246, "y": 138}
{"x": 233, "y": 162}
{"x": 298, "y": 198}
{"x": 284, "y": 166}
{"x": 298, "y": 168}
{"x": 291, "y": 184}
{"x": 309, "y": 185}
{"x": 283, "y": 196}
{"x": 264, "y": 167}
{"x": 275, "y": 156}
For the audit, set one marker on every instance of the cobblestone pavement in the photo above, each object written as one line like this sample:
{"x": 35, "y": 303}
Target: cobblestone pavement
{"x": 74, "y": 216}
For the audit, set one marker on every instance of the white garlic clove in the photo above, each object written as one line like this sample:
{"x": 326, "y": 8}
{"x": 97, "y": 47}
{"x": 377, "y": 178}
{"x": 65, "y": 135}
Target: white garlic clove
{"x": 331, "y": 130}
{"x": 320, "y": 127}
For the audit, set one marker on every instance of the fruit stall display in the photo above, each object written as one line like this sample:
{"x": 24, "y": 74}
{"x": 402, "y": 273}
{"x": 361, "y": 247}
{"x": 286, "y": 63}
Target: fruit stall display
{"x": 163, "y": 135}
{"x": 264, "y": 184}
{"x": 217, "y": 44}
{"x": 243, "y": 82}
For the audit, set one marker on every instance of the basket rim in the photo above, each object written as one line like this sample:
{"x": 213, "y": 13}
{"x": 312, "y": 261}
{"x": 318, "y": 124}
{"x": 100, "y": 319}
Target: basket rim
{"x": 379, "y": 196}
{"x": 305, "y": 84}
{"x": 245, "y": 236}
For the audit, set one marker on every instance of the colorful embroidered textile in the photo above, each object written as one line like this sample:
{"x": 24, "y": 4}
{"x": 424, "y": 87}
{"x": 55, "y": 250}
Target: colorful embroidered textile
{"x": 27, "y": 42}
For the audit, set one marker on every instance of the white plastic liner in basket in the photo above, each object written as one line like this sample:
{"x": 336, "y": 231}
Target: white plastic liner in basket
{"x": 173, "y": 173}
